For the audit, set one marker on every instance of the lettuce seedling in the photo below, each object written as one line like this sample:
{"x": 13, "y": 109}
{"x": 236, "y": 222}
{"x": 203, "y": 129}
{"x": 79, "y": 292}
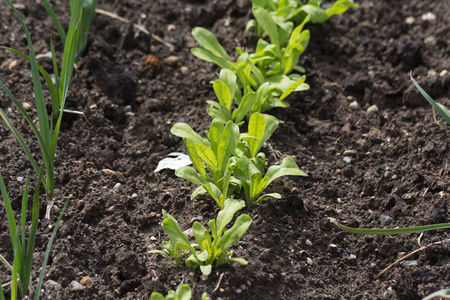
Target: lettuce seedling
{"x": 253, "y": 181}
{"x": 183, "y": 292}
{"x": 212, "y": 249}
{"x": 214, "y": 156}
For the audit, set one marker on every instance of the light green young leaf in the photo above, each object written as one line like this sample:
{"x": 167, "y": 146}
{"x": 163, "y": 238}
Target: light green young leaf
{"x": 223, "y": 94}
{"x": 183, "y": 130}
{"x": 394, "y": 231}
{"x": 209, "y": 57}
{"x": 207, "y": 154}
{"x": 208, "y": 40}
{"x": 340, "y": 6}
{"x": 247, "y": 102}
{"x": 273, "y": 195}
{"x": 194, "y": 157}
{"x": 189, "y": 173}
{"x": 232, "y": 235}
{"x": 201, "y": 235}
{"x": 316, "y": 14}
{"x": 183, "y": 292}
{"x": 287, "y": 167}
{"x": 231, "y": 206}
{"x": 294, "y": 86}
{"x": 266, "y": 21}
{"x": 206, "y": 270}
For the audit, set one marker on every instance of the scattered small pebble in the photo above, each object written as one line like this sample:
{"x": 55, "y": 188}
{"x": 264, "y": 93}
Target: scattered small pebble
{"x": 308, "y": 242}
{"x": 47, "y": 55}
{"x": 385, "y": 220}
{"x": 152, "y": 238}
{"x": 20, "y": 179}
{"x": 243, "y": 286}
{"x": 118, "y": 186}
{"x": 238, "y": 291}
{"x": 171, "y": 27}
{"x": 430, "y": 40}
{"x": 184, "y": 69}
{"x": 198, "y": 219}
{"x": 354, "y": 105}
{"x": 171, "y": 60}
{"x": 431, "y": 73}
{"x": 80, "y": 204}
{"x": 26, "y": 106}
{"x": 52, "y": 284}
{"x": 429, "y": 16}
{"x": 332, "y": 245}
{"x": 86, "y": 280}
{"x": 204, "y": 277}
{"x": 13, "y": 64}
{"x": 115, "y": 174}
{"x": 372, "y": 109}
{"x": 443, "y": 73}
{"x": 409, "y": 263}
{"x": 127, "y": 108}
{"x": 410, "y": 20}
{"x": 76, "y": 286}
{"x": 309, "y": 261}
{"x": 347, "y": 159}
{"x": 352, "y": 256}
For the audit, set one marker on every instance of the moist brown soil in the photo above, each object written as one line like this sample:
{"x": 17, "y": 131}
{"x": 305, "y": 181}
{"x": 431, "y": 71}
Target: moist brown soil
{"x": 399, "y": 156}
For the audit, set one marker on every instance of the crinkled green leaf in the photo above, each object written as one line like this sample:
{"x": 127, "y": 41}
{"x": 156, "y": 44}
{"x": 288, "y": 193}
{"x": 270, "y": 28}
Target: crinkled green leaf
{"x": 287, "y": 167}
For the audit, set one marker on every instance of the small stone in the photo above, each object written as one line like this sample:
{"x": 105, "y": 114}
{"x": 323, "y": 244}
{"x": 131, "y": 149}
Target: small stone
{"x": 12, "y": 64}
{"x": 385, "y": 220}
{"x": 347, "y": 159}
{"x": 127, "y": 108}
{"x": 308, "y": 242}
{"x": 26, "y": 106}
{"x": 238, "y": 291}
{"x": 332, "y": 245}
{"x": 20, "y": 179}
{"x": 309, "y": 261}
{"x": 152, "y": 238}
{"x": 76, "y": 286}
{"x": 171, "y": 60}
{"x": 80, "y": 204}
{"x": 118, "y": 186}
{"x": 86, "y": 280}
{"x": 372, "y": 109}
{"x": 198, "y": 219}
{"x": 50, "y": 284}
{"x": 171, "y": 27}
{"x": 430, "y": 40}
{"x": 443, "y": 73}
{"x": 352, "y": 256}
{"x": 188, "y": 232}
{"x": 184, "y": 69}
{"x": 243, "y": 286}
{"x": 409, "y": 263}
{"x": 410, "y": 20}
{"x": 204, "y": 277}
{"x": 354, "y": 105}
{"x": 191, "y": 274}
{"x": 152, "y": 214}
{"x": 431, "y": 73}
{"x": 429, "y": 16}
{"x": 134, "y": 195}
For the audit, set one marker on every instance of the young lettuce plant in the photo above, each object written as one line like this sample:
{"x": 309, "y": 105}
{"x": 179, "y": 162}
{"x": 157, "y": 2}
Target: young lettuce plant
{"x": 48, "y": 132}
{"x": 183, "y": 292}
{"x": 213, "y": 248}
{"x": 23, "y": 248}
{"x": 248, "y": 75}
{"x": 214, "y": 156}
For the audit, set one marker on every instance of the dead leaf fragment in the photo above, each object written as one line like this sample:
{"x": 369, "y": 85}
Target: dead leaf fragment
{"x": 12, "y": 64}
{"x": 151, "y": 60}
{"x": 115, "y": 174}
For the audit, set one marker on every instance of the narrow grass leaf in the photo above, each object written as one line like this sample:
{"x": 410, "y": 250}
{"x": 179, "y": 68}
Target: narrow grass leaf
{"x": 394, "y": 231}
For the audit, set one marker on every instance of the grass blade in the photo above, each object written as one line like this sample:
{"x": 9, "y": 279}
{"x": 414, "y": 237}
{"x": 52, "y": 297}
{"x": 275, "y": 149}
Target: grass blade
{"x": 23, "y": 218}
{"x": 55, "y": 20}
{"x": 444, "y": 294}
{"x": 440, "y": 108}
{"x": 37, "y": 86}
{"x": 394, "y": 230}
{"x": 47, "y": 253}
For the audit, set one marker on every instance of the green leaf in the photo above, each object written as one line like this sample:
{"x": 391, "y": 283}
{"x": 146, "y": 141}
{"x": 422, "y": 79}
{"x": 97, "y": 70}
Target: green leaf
{"x": 228, "y": 142}
{"x": 206, "y": 270}
{"x": 231, "y": 206}
{"x": 340, "y": 6}
{"x": 189, "y": 173}
{"x": 232, "y": 235}
{"x": 157, "y": 296}
{"x": 244, "y": 169}
{"x": 247, "y": 102}
{"x": 273, "y": 195}
{"x": 395, "y": 230}
{"x": 266, "y": 21}
{"x": 229, "y": 78}
{"x": 294, "y": 86}
{"x": 198, "y": 191}
{"x": 240, "y": 261}
{"x": 207, "y": 154}
{"x": 440, "y": 108}
{"x": 183, "y": 292}
{"x": 256, "y": 128}
{"x": 170, "y": 226}
{"x": 287, "y": 167}
{"x": 195, "y": 159}
{"x": 208, "y": 40}
{"x": 209, "y": 57}
{"x": 201, "y": 235}
{"x": 185, "y": 131}
{"x": 317, "y": 14}
{"x": 215, "y": 192}
{"x": 223, "y": 94}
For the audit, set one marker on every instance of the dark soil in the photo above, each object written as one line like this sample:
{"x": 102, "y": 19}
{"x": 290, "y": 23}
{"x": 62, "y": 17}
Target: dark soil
{"x": 399, "y": 156}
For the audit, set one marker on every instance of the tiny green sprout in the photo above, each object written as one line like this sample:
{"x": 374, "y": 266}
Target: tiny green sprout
{"x": 183, "y": 292}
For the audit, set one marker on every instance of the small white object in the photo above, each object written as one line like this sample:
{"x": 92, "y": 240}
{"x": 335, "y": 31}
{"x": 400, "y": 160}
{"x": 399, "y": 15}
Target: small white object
{"x": 429, "y": 16}
{"x": 309, "y": 261}
{"x": 372, "y": 109}
{"x": 410, "y": 20}
{"x": 347, "y": 159}
{"x": 352, "y": 256}
{"x": 443, "y": 73}
{"x": 175, "y": 161}
{"x": 308, "y": 242}
{"x": 354, "y": 105}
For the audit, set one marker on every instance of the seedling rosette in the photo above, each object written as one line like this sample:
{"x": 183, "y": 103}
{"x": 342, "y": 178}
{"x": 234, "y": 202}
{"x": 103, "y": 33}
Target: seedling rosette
{"x": 212, "y": 248}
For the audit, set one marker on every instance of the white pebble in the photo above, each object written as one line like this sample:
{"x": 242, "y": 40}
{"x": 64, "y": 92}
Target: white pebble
{"x": 443, "y": 73}
{"x": 308, "y": 242}
{"x": 352, "y": 256}
{"x": 429, "y": 16}
{"x": 372, "y": 109}
{"x": 118, "y": 186}
{"x": 309, "y": 261}
{"x": 354, "y": 105}
{"x": 347, "y": 159}
{"x": 410, "y": 20}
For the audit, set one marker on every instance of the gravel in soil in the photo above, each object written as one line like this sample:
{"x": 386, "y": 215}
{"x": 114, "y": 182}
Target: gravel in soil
{"x": 368, "y": 166}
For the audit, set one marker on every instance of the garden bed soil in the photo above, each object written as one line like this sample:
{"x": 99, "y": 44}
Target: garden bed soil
{"x": 133, "y": 88}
